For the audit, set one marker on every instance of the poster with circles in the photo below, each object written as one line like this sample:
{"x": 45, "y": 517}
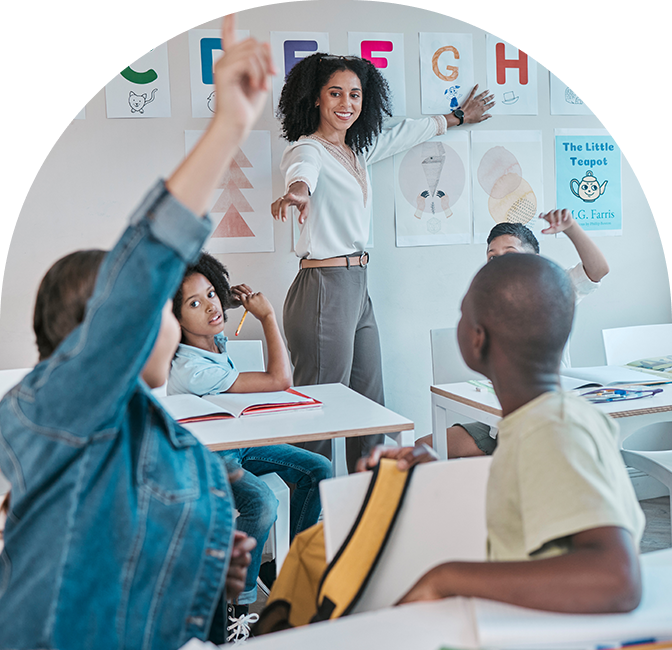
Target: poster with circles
{"x": 506, "y": 179}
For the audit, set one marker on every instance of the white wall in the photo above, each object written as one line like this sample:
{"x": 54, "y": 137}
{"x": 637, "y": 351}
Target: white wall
{"x": 100, "y": 168}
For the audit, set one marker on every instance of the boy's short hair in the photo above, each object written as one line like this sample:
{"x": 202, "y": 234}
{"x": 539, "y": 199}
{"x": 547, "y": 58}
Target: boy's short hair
{"x": 62, "y": 296}
{"x": 216, "y": 274}
{"x": 523, "y": 233}
{"x": 527, "y": 301}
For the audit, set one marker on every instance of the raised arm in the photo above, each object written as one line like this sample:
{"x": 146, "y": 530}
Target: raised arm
{"x": 278, "y": 373}
{"x": 594, "y": 263}
{"x": 600, "y": 574}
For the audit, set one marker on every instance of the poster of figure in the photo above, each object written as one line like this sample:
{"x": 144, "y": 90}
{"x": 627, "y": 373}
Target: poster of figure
{"x": 512, "y": 78}
{"x": 432, "y": 202}
{"x": 288, "y": 49}
{"x": 386, "y": 52}
{"x": 637, "y": 82}
{"x": 574, "y": 83}
{"x": 507, "y": 180}
{"x": 240, "y": 211}
{"x": 446, "y": 71}
{"x": 588, "y": 179}
{"x": 142, "y": 90}
{"x": 50, "y": 73}
{"x": 205, "y": 47}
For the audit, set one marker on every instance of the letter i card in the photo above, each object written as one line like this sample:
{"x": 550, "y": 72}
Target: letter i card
{"x": 50, "y": 73}
{"x": 588, "y": 179}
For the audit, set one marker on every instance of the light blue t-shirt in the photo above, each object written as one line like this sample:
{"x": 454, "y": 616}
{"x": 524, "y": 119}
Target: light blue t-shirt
{"x": 201, "y": 372}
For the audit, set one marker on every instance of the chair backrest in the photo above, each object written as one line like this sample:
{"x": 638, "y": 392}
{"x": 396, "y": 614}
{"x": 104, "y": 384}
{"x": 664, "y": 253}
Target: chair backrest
{"x": 442, "y": 519}
{"x": 447, "y": 364}
{"x": 9, "y": 378}
{"x": 625, "y": 344}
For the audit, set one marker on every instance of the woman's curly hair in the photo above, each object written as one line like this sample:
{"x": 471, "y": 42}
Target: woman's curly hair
{"x": 299, "y": 115}
{"x": 217, "y": 276}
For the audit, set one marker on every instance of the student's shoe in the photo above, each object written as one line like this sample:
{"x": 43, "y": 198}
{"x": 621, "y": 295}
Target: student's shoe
{"x": 239, "y": 621}
{"x": 266, "y": 577}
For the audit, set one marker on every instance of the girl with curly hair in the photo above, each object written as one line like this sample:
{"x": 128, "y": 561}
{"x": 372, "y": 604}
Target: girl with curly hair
{"x": 332, "y": 110}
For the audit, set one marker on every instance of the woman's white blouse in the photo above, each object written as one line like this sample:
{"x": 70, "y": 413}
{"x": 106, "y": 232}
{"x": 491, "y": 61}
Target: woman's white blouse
{"x": 339, "y": 218}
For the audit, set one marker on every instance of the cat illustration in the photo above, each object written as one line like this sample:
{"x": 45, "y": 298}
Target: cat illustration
{"x": 138, "y": 102}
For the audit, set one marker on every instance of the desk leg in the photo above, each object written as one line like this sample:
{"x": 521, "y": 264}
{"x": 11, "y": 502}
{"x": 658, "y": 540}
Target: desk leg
{"x": 339, "y": 466}
{"x": 404, "y": 438}
{"x": 439, "y": 426}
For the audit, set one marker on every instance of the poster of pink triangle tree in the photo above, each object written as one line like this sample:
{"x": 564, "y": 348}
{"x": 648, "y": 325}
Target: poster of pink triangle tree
{"x": 240, "y": 211}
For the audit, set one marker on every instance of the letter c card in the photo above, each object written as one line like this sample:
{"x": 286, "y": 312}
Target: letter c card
{"x": 142, "y": 89}
{"x": 386, "y": 52}
{"x": 50, "y": 73}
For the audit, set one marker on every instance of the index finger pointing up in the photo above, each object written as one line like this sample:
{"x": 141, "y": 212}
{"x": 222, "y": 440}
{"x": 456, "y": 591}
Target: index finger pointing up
{"x": 228, "y": 31}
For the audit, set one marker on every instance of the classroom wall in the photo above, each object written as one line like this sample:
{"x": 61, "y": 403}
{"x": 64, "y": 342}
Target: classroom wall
{"x": 100, "y": 168}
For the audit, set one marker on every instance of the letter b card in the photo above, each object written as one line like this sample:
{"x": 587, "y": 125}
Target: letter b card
{"x": 50, "y": 73}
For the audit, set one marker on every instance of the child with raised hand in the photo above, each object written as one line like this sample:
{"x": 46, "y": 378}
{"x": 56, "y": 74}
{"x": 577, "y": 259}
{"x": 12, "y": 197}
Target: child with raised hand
{"x": 202, "y": 366}
{"x": 120, "y": 529}
{"x": 563, "y": 521}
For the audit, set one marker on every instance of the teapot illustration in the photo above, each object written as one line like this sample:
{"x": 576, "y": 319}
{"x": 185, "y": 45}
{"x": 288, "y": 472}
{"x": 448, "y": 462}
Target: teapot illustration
{"x": 588, "y": 188}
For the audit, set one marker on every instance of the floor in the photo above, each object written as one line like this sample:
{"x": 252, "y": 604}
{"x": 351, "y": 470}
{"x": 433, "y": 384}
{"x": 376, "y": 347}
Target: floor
{"x": 657, "y": 535}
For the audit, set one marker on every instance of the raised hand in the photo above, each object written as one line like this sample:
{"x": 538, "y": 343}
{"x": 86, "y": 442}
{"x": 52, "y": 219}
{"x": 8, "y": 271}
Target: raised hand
{"x": 558, "y": 221}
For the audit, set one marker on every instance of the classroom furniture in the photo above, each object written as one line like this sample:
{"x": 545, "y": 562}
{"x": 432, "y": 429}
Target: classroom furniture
{"x": 343, "y": 414}
{"x": 625, "y": 344}
{"x": 471, "y": 623}
{"x": 448, "y": 365}
{"x": 442, "y": 518}
{"x": 463, "y": 399}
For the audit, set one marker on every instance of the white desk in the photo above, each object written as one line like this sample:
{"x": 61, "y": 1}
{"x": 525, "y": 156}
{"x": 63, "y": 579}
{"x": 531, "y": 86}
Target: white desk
{"x": 344, "y": 413}
{"x": 464, "y": 400}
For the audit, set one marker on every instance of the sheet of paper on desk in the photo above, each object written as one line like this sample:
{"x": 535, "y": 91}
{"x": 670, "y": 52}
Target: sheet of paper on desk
{"x": 598, "y": 376}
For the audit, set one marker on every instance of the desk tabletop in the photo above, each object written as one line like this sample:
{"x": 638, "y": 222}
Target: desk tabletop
{"x": 484, "y": 400}
{"x": 344, "y": 413}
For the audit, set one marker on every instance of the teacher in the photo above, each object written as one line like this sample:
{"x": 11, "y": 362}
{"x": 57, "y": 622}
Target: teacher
{"x": 331, "y": 111}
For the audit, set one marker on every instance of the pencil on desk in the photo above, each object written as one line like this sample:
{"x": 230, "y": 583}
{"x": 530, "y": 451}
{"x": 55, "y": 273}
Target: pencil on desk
{"x": 242, "y": 320}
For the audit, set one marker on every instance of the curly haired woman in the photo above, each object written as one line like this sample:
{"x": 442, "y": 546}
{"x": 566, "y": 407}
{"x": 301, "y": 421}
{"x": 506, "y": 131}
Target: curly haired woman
{"x": 332, "y": 110}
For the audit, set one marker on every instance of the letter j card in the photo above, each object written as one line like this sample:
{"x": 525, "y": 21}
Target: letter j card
{"x": 50, "y": 73}
{"x": 588, "y": 179}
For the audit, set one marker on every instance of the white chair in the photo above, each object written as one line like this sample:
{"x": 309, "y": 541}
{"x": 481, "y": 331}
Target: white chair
{"x": 442, "y": 518}
{"x": 447, "y": 364}
{"x": 649, "y": 449}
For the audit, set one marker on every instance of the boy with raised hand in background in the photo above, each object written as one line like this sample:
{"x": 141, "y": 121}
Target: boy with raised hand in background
{"x": 476, "y": 438}
{"x": 558, "y": 492}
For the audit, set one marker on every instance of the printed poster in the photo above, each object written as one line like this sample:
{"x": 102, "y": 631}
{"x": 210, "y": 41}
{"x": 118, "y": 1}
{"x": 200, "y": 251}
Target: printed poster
{"x": 288, "y": 48}
{"x": 386, "y": 52}
{"x": 432, "y": 199}
{"x": 588, "y": 179}
{"x": 446, "y": 71}
{"x": 512, "y": 78}
{"x": 141, "y": 90}
{"x": 637, "y": 82}
{"x": 50, "y": 73}
{"x": 205, "y": 48}
{"x": 574, "y": 82}
{"x": 507, "y": 180}
{"x": 241, "y": 208}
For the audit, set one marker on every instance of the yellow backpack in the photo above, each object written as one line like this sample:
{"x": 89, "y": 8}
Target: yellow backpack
{"x": 307, "y": 590}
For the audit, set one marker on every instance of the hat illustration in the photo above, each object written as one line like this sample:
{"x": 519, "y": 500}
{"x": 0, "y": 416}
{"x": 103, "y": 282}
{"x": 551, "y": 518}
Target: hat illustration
{"x": 510, "y": 97}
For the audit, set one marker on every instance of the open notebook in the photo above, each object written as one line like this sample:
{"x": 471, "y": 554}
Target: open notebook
{"x": 189, "y": 408}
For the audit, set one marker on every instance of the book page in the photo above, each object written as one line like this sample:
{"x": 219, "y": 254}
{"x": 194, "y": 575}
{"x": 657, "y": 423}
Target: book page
{"x": 184, "y": 406}
{"x": 236, "y": 403}
{"x": 608, "y": 375}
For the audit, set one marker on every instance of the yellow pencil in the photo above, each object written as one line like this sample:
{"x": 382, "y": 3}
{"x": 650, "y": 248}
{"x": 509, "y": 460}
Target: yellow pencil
{"x": 242, "y": 320}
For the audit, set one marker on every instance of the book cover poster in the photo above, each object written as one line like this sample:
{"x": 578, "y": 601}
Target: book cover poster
{"x": 507, "y": 180}
{"x": 432, "y": 198}
{"x": 574, "y": 83}
{"x": 512, "y": 78}
{"x": 50, "y": 73}
{"x": 637, "y": 82}
{"x": 288, "y": 48}
{"x": 141, "y": 90}
{"x": 386, "y": 52}
{"x": 205, "y": 48}
{"x": 241, "y": 207}
{"x": 446, "y": 71}
{"x": 588, "y": 179}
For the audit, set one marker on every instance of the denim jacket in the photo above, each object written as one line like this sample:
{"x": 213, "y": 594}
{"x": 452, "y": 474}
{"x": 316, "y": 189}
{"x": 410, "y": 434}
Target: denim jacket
{"x": 121, "y": 521}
